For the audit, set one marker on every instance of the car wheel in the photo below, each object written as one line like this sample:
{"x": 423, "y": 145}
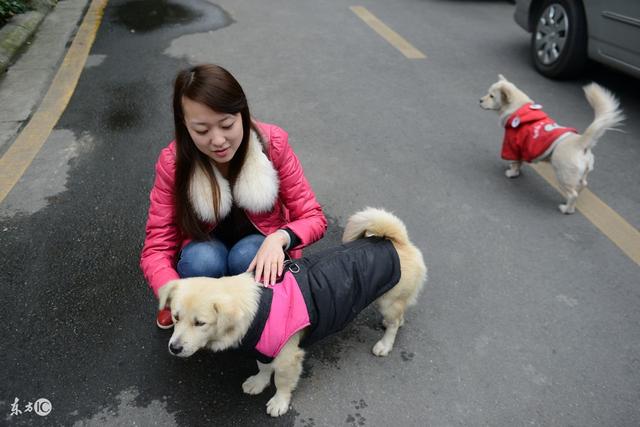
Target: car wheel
{"x": 559, "y": 38}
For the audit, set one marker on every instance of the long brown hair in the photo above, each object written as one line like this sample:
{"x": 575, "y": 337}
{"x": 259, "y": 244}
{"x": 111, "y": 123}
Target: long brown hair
{"x": 216, "y": 88}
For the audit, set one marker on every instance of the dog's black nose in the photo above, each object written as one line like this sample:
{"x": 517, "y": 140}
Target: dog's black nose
{"x": 175, "y": 349}
{"x": 480, "y": 101}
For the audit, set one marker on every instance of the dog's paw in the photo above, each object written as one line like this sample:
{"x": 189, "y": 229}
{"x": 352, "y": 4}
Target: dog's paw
{"x": 278, "y": 405}
{"x": 256, "y": 384}
{"x": 565, "y": 209}
{"x": 510, "y": 173}
{"x": 381, "y": 349}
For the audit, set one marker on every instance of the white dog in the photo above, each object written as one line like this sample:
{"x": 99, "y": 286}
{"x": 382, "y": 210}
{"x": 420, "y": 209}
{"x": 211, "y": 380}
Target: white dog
{"x": 318, "y": 295}
{"x": 531, "y": 136}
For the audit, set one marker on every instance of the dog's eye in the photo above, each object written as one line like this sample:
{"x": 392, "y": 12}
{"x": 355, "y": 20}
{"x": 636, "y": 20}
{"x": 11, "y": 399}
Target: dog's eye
{"x": 175, "y": 317}
{"x": 491, "y": 96}
{"x": 198, "y": 323}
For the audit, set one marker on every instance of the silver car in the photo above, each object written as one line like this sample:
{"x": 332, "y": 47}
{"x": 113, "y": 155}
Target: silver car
{"x": 564, "y": 33}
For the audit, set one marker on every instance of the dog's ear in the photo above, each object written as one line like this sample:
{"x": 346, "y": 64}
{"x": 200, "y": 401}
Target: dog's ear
{"x": 165, "y": 293}
{"x": 217, "y": 309}
{"x": 505, "y": 94}
{"x": 501, "y": 78}
{"x": 227, "y": 316}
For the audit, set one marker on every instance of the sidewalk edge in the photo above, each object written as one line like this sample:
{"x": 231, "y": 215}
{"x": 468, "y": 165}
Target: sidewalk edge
{"x": 17, "y": 32}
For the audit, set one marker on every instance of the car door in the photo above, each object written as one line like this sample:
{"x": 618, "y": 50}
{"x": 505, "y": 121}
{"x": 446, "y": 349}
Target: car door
{"x": 614, "y": 32}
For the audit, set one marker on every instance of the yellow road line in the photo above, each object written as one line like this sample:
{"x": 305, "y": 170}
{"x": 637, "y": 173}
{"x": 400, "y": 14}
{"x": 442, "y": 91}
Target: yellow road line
{"x": 387, "y": 33}
{"x": 24, "y": 149}
{"x": 608, "y": 221}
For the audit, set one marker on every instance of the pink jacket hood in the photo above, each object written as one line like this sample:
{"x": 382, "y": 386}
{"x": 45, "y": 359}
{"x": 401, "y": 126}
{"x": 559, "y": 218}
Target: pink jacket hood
{"x": 273, "y": 192}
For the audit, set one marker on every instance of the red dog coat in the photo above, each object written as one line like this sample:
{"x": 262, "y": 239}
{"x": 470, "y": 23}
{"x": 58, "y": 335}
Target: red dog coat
{"x": 530, "y": 135}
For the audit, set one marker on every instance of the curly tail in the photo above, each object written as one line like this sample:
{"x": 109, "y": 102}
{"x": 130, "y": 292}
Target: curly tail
{"x": 607, "y": 114}
{"x": 375, "y": 222}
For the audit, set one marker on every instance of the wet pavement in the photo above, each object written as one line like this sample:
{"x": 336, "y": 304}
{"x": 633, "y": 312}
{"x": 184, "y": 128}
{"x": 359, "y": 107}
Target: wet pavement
{"x": 529, "y": 317}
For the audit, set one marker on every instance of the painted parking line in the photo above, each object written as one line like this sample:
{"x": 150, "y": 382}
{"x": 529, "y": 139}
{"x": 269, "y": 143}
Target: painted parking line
{"x": 387, "y": 33}
{"x": 608, "y": 221}
{"x": 24, "y": 149}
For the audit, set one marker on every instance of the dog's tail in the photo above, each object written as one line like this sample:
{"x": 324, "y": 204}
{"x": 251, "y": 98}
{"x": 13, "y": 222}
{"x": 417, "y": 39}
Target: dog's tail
{"x": 607, "y": 114}
{"x": 375, "y": 222}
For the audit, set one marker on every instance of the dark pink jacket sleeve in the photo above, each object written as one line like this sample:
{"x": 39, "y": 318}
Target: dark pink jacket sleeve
{"x": 163, "y": 236}
{"x": 305, "y": 215}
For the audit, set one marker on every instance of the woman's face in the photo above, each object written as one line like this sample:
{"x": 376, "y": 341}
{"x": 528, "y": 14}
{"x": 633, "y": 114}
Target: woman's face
{"x": 217, "y": 135}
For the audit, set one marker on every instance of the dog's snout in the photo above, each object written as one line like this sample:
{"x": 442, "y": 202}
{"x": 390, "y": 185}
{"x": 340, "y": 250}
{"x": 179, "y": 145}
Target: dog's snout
{"x": 175, "y": 349}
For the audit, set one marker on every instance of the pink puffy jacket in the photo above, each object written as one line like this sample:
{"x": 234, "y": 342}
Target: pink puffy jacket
{"x": 274, "y": 194}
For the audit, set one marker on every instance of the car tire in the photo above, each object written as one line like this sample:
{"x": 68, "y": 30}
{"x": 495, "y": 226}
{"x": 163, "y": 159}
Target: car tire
{"x": 559, "y": 38}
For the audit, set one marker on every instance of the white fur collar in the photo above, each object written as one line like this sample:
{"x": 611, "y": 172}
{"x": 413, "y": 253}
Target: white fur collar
{"x": 255, "y": 189}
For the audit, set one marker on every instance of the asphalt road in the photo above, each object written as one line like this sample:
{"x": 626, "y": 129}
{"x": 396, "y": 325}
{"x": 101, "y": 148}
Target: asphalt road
{"x": 529, "y": 317}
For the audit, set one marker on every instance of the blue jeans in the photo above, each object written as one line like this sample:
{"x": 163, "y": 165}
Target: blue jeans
{"x": 213, "y": 259}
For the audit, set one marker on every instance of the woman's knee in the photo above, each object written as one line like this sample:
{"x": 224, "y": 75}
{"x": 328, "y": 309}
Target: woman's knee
{"x": 243, "y": 252}
{"x": 208, "y": 259}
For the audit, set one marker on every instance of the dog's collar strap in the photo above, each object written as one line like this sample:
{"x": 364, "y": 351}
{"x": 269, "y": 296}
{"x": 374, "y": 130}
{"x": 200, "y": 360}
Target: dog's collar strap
{"x": 254, "y": 332}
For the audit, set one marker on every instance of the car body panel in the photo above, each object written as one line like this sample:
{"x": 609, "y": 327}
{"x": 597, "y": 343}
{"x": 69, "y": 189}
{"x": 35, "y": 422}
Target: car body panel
{"x": 614, "y": 33}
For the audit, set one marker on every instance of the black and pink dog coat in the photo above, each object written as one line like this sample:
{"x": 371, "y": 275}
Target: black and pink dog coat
{"x": 323, "y": 291}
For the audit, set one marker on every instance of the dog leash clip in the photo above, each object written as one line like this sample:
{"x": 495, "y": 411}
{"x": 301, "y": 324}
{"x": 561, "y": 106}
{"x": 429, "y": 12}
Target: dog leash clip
{"x": 294, "y": 268}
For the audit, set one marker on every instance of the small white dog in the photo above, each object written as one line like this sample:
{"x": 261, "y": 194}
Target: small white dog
{"x": 531, "y": 136}
{"x": 318, "y": 295}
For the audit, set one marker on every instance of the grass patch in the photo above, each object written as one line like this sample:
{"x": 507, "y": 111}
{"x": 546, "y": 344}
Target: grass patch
{"x": 8, "y": 8}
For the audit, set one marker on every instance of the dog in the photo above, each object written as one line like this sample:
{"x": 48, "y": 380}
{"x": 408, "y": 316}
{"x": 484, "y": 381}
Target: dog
{"x": 376, "y": 263}
{"x": 531, "y": 136}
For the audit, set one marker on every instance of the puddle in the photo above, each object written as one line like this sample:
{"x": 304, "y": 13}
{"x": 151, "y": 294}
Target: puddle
{"x": 122, "y": 119}
{"x": 148, "y": 15}
{"x": 124, "y": 109}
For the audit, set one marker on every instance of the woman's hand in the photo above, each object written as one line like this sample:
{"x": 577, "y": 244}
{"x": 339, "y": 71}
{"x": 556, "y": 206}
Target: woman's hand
{"x": 269, "y": 260}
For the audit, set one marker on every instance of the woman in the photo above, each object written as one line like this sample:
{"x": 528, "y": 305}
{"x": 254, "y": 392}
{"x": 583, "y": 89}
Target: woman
{"x": 229, "y": 194}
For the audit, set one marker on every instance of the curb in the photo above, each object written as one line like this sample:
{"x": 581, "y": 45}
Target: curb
{"x": 16, "y": 33}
